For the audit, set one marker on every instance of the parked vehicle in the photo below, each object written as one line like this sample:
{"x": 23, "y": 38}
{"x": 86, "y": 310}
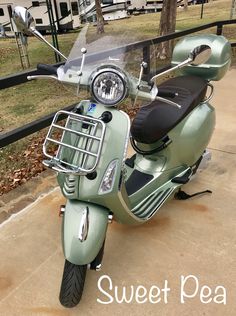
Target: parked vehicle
{"x": 169, "y": 134}
{"x": 65, "y": 14}
{"x": 111, "y": 10}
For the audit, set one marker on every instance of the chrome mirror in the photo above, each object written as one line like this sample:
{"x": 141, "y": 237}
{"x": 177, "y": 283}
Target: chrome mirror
{"x": 199, "y": 55}
{"x": 25, "y": 24}
{"x": 23, "y": 20}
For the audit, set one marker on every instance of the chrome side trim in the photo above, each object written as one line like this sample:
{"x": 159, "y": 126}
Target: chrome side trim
{"x": 84, "y": 225}
{"x": 127, "y": 136}
{"x": 69, "y": 185}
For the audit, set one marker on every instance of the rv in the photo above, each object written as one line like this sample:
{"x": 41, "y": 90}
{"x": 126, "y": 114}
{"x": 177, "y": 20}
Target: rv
{"x": 148, "y": 6}
{"x": 111, "y": 9}
{"x": 65, "y": 14}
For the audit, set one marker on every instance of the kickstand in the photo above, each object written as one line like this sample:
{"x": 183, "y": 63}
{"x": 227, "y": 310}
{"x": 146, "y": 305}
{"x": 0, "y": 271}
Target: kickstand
{"x": 181, "y": 195}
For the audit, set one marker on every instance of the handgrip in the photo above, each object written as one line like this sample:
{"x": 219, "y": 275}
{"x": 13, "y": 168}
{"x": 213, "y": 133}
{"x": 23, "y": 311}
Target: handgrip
{"x": 47, "y": 68}
{"x": 166, "y": 94}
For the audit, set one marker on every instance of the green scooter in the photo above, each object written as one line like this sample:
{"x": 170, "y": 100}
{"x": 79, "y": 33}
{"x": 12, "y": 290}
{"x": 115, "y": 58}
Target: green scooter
{"x": 87, "y": 147}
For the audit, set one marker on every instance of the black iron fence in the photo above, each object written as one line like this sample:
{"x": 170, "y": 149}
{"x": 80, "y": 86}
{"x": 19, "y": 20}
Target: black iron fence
{"x": 19, "y": 78}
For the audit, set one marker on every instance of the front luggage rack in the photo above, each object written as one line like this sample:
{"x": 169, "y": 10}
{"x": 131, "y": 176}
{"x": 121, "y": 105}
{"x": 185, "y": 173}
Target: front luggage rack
{"x": 74, "y": 143}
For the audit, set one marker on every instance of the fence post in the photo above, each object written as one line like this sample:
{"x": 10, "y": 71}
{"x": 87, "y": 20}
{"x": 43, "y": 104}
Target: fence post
{"x": 146, "y": 58}
{"x": 53, "y": 29}
{"x": 219, "y": 29}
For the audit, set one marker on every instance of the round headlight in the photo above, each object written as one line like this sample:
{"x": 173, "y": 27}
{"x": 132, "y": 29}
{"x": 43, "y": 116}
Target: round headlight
{"x": 108, "y": 87}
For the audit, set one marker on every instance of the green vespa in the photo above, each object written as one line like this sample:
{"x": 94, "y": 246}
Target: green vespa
{"x": 87, "y": 147}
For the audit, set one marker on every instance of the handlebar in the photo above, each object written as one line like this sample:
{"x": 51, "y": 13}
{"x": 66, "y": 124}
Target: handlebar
{"x": 49, "y": 69}
{"x": 49, "y": 72}
{"x": 166, "y": 94}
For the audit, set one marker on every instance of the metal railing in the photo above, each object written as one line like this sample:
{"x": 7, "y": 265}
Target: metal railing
{"x": 19, "y": 78}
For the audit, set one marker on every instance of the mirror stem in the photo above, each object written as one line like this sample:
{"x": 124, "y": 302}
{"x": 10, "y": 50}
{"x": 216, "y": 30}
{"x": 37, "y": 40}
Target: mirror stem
{"x": 184, "y": 63}
{"x": 41, "y": 38}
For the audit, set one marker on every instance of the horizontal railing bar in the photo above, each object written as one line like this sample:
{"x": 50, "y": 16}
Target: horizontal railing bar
{"x": 30, "y": 128}
{"x": 21, "y": 77}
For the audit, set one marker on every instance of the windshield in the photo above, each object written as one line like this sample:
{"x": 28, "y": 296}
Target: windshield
{"x": 115, "y": 46}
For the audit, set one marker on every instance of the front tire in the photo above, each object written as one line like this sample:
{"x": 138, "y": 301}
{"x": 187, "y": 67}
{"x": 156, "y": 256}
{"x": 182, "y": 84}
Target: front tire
{"x": 72, "y": 284}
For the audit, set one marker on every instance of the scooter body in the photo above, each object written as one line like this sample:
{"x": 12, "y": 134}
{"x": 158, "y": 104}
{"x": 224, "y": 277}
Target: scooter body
{"x": 94, "y": 174}
{"x": 189, "y": 140}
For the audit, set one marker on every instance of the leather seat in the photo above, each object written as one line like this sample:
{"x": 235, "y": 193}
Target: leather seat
{"x": 156, "y": 119}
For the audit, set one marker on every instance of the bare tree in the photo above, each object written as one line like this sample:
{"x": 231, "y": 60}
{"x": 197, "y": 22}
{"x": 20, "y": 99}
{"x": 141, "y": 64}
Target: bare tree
{"x": 100, "y": 19}
{"x": 167, "y": 25}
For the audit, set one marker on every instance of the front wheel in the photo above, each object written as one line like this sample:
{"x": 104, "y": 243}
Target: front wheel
{"x": 72, "y": 284}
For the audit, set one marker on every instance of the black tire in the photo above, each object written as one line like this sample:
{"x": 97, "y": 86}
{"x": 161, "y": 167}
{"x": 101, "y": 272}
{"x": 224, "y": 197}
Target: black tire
{"x": 72, "y": 284}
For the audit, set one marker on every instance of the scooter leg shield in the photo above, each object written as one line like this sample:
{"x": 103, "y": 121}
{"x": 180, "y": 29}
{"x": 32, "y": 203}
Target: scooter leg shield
{"x": 83, "y": 231}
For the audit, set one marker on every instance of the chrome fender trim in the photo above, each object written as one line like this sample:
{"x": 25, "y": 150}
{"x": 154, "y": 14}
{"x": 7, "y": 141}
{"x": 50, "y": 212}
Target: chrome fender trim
{"x": 83, "y": 231}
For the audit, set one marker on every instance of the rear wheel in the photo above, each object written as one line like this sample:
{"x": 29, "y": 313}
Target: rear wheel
{"x": 72, "y": 284}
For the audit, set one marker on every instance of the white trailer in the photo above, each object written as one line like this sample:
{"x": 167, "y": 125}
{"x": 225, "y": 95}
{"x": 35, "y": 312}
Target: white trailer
{"x": 65, "y": 12}
{"x": 111, "y": 9}
{"x": 146, "y": 6}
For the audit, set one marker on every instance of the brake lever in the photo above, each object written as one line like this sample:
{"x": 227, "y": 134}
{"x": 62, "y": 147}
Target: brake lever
{"x": 169, "y": 102}
{"x": 154, "y": 94}
{"x": 42, "y": 77}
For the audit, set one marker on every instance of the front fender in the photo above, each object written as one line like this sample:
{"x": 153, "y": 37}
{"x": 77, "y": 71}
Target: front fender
{"x": 84, "y": 252}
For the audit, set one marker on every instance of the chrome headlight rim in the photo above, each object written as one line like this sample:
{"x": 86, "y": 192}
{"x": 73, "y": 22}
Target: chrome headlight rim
{"x": 118, "y": 72}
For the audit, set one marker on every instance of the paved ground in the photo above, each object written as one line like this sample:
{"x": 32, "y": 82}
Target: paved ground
{"x": 195, "y": 237}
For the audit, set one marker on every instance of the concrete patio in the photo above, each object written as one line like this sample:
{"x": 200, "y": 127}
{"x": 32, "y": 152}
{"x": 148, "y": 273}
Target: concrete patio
{"x": 195, "y": 237}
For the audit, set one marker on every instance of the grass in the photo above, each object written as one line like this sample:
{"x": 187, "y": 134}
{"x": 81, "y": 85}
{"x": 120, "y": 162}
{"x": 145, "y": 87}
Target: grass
{"x": 24, "y": 103}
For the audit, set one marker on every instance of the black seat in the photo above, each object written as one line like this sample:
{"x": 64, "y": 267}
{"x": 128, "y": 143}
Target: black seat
{"x": 155, "y": 120}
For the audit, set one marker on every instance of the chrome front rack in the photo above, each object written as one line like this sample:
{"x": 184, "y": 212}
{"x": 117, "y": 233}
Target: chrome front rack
{"x": 74, "y": 143}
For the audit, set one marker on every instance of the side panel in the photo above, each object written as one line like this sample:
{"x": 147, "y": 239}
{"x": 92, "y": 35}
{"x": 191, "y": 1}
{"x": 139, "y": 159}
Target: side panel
{"x": 191, "y": 136}
{"x": 189, "y": 140}
{"x": 75, "y": 251}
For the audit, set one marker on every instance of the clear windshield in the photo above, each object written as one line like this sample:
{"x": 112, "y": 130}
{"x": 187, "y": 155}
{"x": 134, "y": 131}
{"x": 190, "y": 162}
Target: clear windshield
{"x": 115, "y": 46}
